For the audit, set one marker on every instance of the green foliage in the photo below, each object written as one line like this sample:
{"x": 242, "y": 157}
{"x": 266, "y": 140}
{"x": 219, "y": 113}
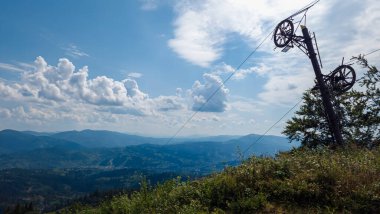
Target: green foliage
{"x": 309, "y": 125}
{"x": 313, "y": 180}
{"x": 52, "y": 189}
{"x": 53, "y": 177}
{"x": 358, "y": 111}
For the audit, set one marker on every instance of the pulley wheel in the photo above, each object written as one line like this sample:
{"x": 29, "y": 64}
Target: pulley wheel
{"x": 342, "y": 78}
{"x": 283, "y": 33}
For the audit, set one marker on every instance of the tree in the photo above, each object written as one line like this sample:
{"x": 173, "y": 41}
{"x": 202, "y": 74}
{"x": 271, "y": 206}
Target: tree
{"x": 358, "y": 112}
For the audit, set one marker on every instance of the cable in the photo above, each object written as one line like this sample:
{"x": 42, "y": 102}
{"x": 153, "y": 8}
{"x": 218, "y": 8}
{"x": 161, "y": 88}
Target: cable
{"x": 262, "y": 135}
{"x": 372, "y": 52}
{"x": 369, "y": 53}
{"x": 231, "y": 75}
{"x": 307, "y": 7}
{"x": 218, "y": 89}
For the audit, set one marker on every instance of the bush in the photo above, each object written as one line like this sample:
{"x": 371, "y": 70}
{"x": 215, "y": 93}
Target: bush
{"x": 317, "y": 180}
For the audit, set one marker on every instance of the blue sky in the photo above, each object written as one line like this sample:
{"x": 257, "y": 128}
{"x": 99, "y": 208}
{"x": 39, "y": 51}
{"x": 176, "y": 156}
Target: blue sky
{"x": 146, "y": 66}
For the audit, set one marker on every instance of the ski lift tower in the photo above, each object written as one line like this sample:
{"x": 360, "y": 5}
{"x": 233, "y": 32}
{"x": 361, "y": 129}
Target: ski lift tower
{"x": 338, "y": 81}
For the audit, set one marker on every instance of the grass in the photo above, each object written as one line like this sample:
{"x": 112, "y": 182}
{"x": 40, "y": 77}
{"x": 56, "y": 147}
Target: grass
{"x": 303, "y": 180}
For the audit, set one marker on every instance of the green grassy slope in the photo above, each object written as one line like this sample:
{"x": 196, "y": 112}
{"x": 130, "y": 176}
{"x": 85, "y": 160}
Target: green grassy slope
{"x": 297, "y": 181}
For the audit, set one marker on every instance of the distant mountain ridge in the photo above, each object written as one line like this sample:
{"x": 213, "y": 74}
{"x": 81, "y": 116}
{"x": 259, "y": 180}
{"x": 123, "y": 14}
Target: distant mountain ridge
{"x": 15, "y": 141}
{"x": 53, "y": 166}
{"x": 106, "y": 139}
{"x": 92, "y": 139}
{"x": 75, "y": 149}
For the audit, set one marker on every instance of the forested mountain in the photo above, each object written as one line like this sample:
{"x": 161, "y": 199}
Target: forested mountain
{"x": 48, "y": 168}
{"x": 47, "y": 152}
{"x": 15, "y": 141}
{"x": 108, "y": 139}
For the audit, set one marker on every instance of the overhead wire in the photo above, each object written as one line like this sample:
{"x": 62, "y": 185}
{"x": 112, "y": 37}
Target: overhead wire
{"x": 279, "y": 120}
{"x": 259, "y": 137}
{"x": 283, "y": 116}
{"x": 304, "y": 8}
{"x": 367, "y": 54}
{"x": 293, "y": 107}
{"x": 218, "y": 89}
{"x": 372, "y": 52}
{"x": 266, "y": 131}
{"x": 231, "y": 75}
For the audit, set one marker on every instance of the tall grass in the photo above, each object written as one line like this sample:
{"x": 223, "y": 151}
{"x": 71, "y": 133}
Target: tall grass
{"x": 318, "y": 180}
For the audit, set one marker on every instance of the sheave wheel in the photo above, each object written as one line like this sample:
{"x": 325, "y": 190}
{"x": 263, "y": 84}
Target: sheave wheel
{"x": 283, "y": 33}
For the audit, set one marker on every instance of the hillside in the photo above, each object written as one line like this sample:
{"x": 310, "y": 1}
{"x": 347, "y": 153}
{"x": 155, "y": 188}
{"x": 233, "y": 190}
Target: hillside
{"x": 102, "y": 138}
{"x": 51, "y": 189}
{"x": 297, "y": 181}
{"x": 44, "y": 169}
{"x": 14, "y": 141}
{"x": 91, "y": 149}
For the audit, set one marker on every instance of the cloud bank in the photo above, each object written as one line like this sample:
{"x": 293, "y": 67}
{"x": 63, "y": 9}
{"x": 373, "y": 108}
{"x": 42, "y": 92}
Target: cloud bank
{"x": 64, "y": 93}
{"x": 64, "y": 85}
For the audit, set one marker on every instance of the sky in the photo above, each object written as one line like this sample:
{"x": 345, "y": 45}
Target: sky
{"x": 149, "y": 67}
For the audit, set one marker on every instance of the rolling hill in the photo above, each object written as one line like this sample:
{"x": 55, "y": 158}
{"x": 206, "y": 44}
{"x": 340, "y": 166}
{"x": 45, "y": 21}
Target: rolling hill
{"x": 14, "y": 141}
{"x": 48, "y": 167}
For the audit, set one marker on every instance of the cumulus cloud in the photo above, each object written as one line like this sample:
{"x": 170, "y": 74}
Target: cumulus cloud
{"x": 211, "y": 96}
{"x": 178, "y": 92}
{"x": 169, "y": 103}
{"x": 64, "y": 85}
{"x": 62, "y": 82}
{"x": 133, "y": 89}
{"x": 202, "y": 32}
{"x": 7, "y": 91}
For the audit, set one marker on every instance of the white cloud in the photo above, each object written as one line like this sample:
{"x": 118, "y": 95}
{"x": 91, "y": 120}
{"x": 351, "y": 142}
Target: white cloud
{"x": 5, "y": 113}
{"x": 210, "y": 96}
{"x": 10, "y": 67}
{"x": 7, "y": 91}
{"x": 133, "y": 89}
{"x": 286, "y": 89}
{"x": 63, "y": 85}
{"x": 168, "y": 103}
{"x": 202, "y": 27}
{"x": 260, "y": 69}
{"x": 63, "y": 94}
{"x": 244, "y": 105}
{"x": 179, "y": 92}
{"x": 343, "y": 29}
{"x": 56, "y": 97}
{"x": 74, "y": 51}
{"x": 135, "y": 75}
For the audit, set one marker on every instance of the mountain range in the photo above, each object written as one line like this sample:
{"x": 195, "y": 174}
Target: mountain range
{"x": 113, "y": 150}
{"x": 50, "y": 168}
